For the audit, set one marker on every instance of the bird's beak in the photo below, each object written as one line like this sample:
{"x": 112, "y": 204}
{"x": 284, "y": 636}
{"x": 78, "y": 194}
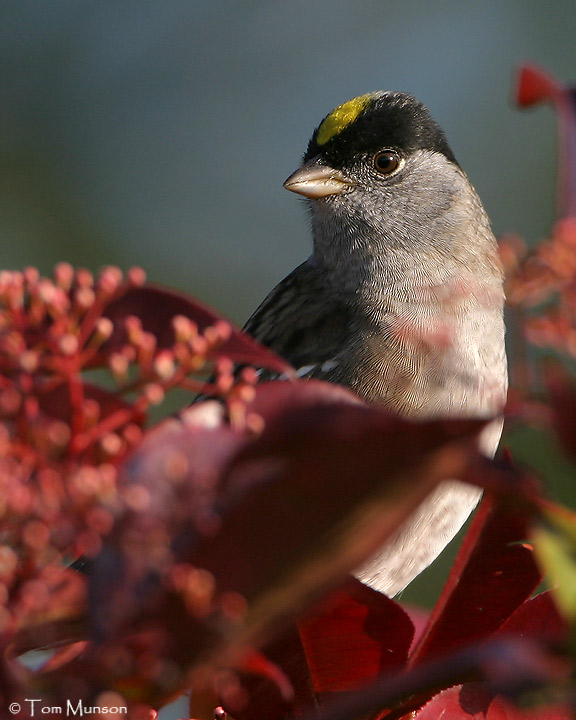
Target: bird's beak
{"x": 314, "y": 180}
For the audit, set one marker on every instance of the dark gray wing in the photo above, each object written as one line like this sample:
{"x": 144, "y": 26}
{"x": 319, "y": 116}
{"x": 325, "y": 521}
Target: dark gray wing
{"x": 305, "y": 322}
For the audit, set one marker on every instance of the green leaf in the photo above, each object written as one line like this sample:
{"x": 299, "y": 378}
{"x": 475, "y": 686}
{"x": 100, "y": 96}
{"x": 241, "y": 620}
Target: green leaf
{"x": 555, "y": 546}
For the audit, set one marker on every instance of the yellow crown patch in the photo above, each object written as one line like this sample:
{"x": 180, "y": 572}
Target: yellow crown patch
{"x": 341, "y": 117}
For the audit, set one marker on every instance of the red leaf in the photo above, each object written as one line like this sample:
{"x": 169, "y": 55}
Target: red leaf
{"x": 493, "y": 574}
{"x": 172, "y": 486}
{"x": 322, "y": 459}
{"x": 57, "y": 404}
{"x": 534, "y": 85}
{"x": 419, "y": 618}
{"x": 350, "y": 639}
{"x": 449, "y": 704}
{"x": 508, "y": 664}
{"x": 257, "y": 663}
{"x": 355, "y": 635}
{"x": 277, "y": 520}
{"x": 266, "y": 690}
{"x": 474, "y": 701}
{"x": 58, "y": 617}
{"x": 156, "y": 307}
{"x": 263, "y": 698}
{"x": 537, "y": 618}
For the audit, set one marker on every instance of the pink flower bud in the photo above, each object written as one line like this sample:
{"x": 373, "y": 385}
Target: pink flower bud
{"x": 90, "y": 412}
{"x": 104, "y": 328}
{"x": 36, "y": 535}
{"x": 29, "y": 361}
{"x": 57, "y": 434}
{"x": 119, "y": 364}
{"x": 31, "y": 276}
{"x": 134, "y": 330}
{"x": 218, "y": 333}
{"x": 110, "y": 280}
{"x": 136, "y": 277}
{"x": 10, "y": 401}
{"x": 154, "y": 393}
{"x": 164, "y": 365}
{"x": 111, "y": 445}
{"x": 84, "y": 297}
{"x": 184, "y": 328}
{"x": 64, "y": 275}
{"x": 84, "y": 278}
{"x": 68, "y": 344}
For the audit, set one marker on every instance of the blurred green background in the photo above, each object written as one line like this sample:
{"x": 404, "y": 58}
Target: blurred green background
{"x": 159, "y": 132}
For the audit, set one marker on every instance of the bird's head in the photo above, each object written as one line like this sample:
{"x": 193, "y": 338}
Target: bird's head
{"x": 380, "y": 175}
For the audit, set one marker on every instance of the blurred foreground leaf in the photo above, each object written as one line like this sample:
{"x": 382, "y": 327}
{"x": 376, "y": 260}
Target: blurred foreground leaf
{"x": 555, "y": 545}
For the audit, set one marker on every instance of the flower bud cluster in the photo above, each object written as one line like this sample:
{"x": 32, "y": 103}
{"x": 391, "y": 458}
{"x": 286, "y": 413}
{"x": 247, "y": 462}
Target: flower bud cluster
{"x": 541, "y": 287}
{"x": 77, "y": 378}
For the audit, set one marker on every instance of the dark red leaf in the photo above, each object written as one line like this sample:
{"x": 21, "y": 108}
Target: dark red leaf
{"x": 419, "y": 618}
{"x": 537, "y": 618}
{"x": 493, "y": 574}
{"x": 534, "y": 85}
{"x": 474, "y": 701}
{"x": 328, "y": 472}
{"x": 156, "y": 307}
{"x": 56, "y": 403}
{"x": 60, "y": 616}
{"x": 351, "y": 638}
{"x": 458, "y": 705}
{"x": 265, "y": 688}
{"x": 256, "y": 663}
{"x": 263, "y": 698}
{"x": 172, "y": 487}
{"x": 508, "y": 664}
{"x": 354, "y": 636}
{"x": 278, "y": 519}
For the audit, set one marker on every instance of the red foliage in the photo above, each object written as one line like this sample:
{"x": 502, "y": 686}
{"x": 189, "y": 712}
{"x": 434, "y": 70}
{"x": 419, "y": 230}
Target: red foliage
{"x": 220, "y": 543}
{"x": 358, "y": 635}
{"x": 492, "y": 575}
{"x": 474, "y": 701}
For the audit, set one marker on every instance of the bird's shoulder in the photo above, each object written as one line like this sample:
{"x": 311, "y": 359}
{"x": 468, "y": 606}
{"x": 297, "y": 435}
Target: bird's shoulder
{"x": 304, "y": 319}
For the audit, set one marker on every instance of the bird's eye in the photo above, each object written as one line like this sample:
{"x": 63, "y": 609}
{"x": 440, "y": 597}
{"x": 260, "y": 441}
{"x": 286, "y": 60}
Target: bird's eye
{"x": 387, "y": 161}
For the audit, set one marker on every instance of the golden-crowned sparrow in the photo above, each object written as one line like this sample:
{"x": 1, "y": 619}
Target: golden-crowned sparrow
{"x": 401, "y": 299}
